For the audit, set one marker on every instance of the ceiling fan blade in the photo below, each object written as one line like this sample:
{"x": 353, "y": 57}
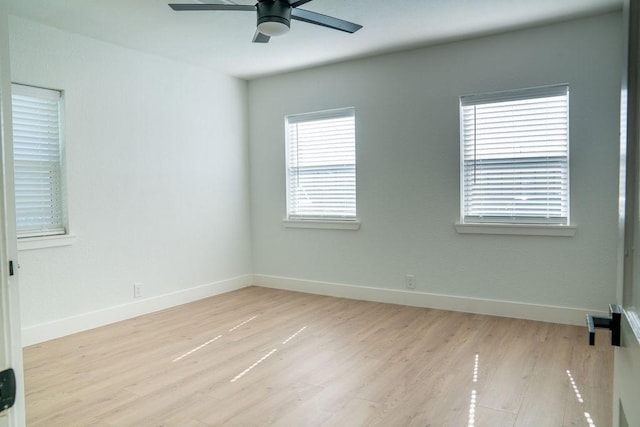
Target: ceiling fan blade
{"x": 324, "y": 20}
{"x": 208, "y": 6}
{"x": 294, "y": 3}
{"x": 258, "y": 37}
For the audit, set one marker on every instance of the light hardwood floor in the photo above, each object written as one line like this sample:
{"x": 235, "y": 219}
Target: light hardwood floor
{"x": 258, "y": 357}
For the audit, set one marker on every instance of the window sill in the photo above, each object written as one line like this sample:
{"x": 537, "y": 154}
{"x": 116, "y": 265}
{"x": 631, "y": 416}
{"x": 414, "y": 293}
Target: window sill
{"x": 517, "y": 229}
{"x": 31, "y": 243}
{"x": 322, "y": 224}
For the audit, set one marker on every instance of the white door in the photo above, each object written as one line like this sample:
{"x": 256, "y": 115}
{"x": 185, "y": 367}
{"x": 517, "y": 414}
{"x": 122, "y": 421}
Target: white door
{"x": 626, "y": 404}
{"x": 10, "y": 331}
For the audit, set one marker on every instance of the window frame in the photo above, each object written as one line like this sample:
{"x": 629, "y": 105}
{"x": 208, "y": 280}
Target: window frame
{"x": 44, "y": 237}
{"x": 296, "y": 219}
{"x": 525, "y": 225}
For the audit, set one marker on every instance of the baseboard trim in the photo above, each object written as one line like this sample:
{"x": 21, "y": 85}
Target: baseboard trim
{"x": 517, "y": 310}
{"x": 70, "y": 325}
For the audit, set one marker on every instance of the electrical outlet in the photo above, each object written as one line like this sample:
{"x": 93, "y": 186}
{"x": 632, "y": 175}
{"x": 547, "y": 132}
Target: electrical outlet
{"x": 410, "y": 281}
{"x": 137, "y": 290}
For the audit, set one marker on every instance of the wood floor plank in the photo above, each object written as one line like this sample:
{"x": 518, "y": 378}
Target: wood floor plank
{"x": 546, "y": 395}
{"x": 594, "y": 402}
{"x": 492, "y": 418}
{"x": 265, "y": 357}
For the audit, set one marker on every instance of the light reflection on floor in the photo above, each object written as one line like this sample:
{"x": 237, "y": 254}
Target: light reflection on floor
{"x": 241, "y": 374}
{"x": 575, "y": 387}
{"x": 576, "y": 390}
{"x": 294, "y": 335}
{"x": 262, "y": 359}
{"x": 197, "y": 348}
{"x": 475, "y": 369}
{"x": 242, "y": 324}
{"x": 474, "y": 397}
{"x": 472, "y": 409}
{"x": 193, "y": 350}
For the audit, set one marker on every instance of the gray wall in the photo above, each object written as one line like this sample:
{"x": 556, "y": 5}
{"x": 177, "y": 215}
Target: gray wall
{"x": 408, "y": 169}
{"x": 157, "y": 173}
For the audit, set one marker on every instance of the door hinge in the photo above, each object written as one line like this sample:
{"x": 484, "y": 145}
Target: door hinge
{"x": 10, "y": 268}
{"x": 7, "y": 389}
{"x": 612, "y": 323}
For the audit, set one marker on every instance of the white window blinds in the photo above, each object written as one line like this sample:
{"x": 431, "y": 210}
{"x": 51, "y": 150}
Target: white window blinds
{"x": 515, "y": 156}
{"x": 37, "y": 161}
{"x": 321, "y": 165}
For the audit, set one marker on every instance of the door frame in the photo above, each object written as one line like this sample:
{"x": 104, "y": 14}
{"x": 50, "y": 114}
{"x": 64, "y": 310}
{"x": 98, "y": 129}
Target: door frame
{"x": 10, "y": 327}
{"x": 626, "y": 381}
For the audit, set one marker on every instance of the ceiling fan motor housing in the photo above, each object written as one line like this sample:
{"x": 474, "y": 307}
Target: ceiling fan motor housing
{"x": 272, "y": 15}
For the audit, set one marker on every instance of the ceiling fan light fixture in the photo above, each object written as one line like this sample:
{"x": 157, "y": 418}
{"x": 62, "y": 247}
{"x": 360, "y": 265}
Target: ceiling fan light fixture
{"x": 274, "y": 17}
{"x": 273, "y": 27}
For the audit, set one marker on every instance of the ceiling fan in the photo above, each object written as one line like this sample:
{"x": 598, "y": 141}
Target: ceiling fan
{"x": 274, "y": 16}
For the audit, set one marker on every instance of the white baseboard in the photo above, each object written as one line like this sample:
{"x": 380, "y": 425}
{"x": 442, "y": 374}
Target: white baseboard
{"x": 517, "y": 310}
{"x": 70, "y": 325}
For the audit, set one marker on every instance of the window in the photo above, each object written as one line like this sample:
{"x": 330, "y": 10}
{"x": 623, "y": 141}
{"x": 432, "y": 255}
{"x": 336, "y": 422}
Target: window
{"x": 515, "y": 157}
{"x": 37, "y": 161}
{"x": 321, "y": 165}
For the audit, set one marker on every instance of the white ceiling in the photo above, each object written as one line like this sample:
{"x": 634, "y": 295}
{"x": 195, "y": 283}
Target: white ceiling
{"x": 221, "y": 40}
